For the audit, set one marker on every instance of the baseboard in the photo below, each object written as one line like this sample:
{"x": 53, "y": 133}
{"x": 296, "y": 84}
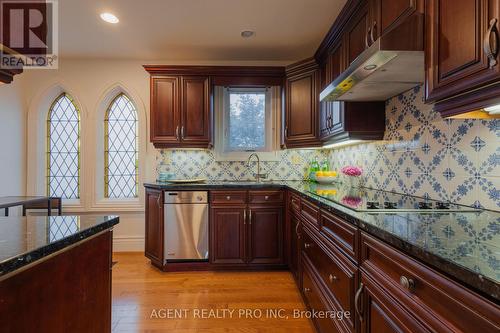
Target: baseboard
{"x": 128, "y": 244}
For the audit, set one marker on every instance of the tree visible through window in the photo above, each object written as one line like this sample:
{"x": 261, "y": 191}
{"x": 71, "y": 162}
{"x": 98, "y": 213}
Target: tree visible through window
{"x": 247, "y": 120}
{"x": 121, "y": 157}
{"x": 63, "y": 149}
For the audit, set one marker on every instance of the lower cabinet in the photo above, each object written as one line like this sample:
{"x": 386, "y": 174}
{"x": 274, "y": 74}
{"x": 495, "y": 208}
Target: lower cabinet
{"x": 227, "y": 232}
{"x": 265, "y": 233}
{"x": 383, "y": 289}
{"x": 295, "y": 236}
{"x": 378, "y": 312}
{"x": 154, "y": 226}
{"x": 314, "y": 298}
{"x": 246, "y": 235}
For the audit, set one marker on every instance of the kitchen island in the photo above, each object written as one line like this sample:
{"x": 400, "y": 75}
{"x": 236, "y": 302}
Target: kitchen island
{"x": 55, "y": 273}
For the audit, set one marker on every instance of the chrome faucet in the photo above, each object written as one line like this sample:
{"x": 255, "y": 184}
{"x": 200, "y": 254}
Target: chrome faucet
{"x": 258, "y": 175}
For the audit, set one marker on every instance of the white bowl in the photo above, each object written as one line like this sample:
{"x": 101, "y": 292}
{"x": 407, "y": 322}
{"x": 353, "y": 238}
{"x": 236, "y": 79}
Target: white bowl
{"x": 325, "y": 179}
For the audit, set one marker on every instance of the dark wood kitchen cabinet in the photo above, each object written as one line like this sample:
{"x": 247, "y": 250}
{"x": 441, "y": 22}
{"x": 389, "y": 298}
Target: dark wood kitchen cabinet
{"x": 246, "y": 228}
{"x": 154, "y": 227}
{"x": 378, "y": 312}
{"x": 295, "y": 236}
{"x": 265, "y": 235}
{"x": 301, "y": 125}
{"x": 462, "y": 54}
{"x": 180, "y": 111}
{"x": 356, "y": 35}
{"x": 228, "y": 235}
{"x": 386, "y": 15}
{"x": 398, "y": 294}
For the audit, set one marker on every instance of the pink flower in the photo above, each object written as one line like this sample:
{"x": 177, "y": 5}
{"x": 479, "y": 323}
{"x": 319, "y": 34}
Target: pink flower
{"x": 352, "y": 201}
{"x": 352, "y": 171}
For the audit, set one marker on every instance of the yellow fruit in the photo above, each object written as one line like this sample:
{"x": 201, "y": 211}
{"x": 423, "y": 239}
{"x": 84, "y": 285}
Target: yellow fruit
{"x": 320, "y": 174}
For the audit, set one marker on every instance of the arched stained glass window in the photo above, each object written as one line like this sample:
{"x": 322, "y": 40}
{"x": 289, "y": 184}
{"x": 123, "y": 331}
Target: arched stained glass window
{"x": 63, "y": 148}
{"x": 120, "y": 153}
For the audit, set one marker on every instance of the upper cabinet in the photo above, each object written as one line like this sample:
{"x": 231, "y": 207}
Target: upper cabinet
{"x": 388, "y": 14}
{"x": 301, "y": 125}
{"x": 356, "y": 34}
{"x": 462, "y": 46}
{"x": 180, "y": 111}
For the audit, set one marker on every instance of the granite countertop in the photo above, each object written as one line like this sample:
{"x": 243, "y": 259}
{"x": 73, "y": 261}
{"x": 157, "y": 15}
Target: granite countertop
{"x": 463, "y": 245}
{"x": 24, "y": 240}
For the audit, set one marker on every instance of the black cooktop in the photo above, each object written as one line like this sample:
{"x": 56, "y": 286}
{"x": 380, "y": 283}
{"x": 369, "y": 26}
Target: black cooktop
{"x": 368, "y": 200}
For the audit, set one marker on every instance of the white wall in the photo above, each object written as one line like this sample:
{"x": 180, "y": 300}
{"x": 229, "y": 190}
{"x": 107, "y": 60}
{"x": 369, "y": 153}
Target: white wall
{"x": 12, "y": 139}
{"x": 87, "y": 81}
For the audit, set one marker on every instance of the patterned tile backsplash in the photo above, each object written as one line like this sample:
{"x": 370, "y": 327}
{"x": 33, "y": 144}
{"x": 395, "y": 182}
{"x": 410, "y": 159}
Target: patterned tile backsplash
{"x": 422, "y": 154}
{"x": 291, "y": 165}
{"x": 425, "y": 155}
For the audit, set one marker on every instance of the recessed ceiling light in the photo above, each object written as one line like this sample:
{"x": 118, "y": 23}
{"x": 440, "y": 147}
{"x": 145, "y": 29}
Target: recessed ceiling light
{"x": 110, "y": 18}
{"x": 247, "y": 33}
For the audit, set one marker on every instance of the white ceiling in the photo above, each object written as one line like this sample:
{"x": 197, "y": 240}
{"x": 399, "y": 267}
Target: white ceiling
{"x": 188, "y": 30}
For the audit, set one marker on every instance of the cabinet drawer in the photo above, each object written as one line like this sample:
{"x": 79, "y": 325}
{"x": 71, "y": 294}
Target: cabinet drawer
{"x": 339, "y": 276}
{"x": 439, "y": 302}
{"x": 294, "y": 203}
{"x": 228, "y": 197}
{"x": 265, "y": 197}
{"x": 309, "y": 212}
{"x": 341, "y": 233}
{"x": 315, "y": 301}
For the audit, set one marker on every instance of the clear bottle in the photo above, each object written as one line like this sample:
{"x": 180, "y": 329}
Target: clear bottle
{"x": 314, "y": 165}
{"x": 324, "y": 165}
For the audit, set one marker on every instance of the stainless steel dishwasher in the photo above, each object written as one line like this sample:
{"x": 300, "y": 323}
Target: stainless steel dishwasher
{"x": 186, "y": 226}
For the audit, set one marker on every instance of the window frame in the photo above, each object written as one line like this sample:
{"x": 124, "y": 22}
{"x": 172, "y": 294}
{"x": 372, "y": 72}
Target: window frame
{"x": 106, "y": 149}
{"x": 222, "y": 109}
{"x": 48, "y": 149}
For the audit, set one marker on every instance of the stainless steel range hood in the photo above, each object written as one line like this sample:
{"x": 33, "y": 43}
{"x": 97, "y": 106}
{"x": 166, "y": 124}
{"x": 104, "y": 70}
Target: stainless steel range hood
{"x": 393, "y": 64}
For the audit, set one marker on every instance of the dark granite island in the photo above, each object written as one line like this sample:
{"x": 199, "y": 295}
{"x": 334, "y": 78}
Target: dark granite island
{"x": 55, "y": 273}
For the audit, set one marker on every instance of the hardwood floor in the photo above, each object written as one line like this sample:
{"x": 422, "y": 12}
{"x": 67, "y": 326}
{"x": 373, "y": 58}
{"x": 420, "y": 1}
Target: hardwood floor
{"x": 142, "y": 296}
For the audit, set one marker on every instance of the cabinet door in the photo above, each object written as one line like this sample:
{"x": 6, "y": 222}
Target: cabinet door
{"x": 457, "y": 34}
{"x": 165, "y": 119}
{"x": 356, "y": 35}
{"x": 227, "y": 234}
{"x": 387, "y": 14}
{"x": 265, "y": 235}
{"x": 154, "y": 226}
{"x": 195, "y": 111}
{"x": 378, "y": 312}
{"x": 314, "y": 298}
{"x": 331, "y": 117}
{"x": 301, "y": 129}
{"x": 295, "y": 246}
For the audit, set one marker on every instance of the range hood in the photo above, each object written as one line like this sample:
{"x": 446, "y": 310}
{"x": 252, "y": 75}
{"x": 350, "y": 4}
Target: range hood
{"x": 393, "y": 64}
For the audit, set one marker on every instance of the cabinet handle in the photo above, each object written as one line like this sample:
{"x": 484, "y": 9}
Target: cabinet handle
{"x": 491, "y": 46}
{"x": 332, "y": 278}
{"x": 356, "y": 302}
{"x": 182, "y": 132}
{"x": 297, "y": 229}
{"x": 407, "y": 283}
{"x": 307, "y": 245}
{"x": 367, "y": 42}
{"x": 266, "y": 197}
{"x": 286, "y": 131}
{"x": 158, "y": 200}
{"x": 245, "y": 216}
{"x": 177, "y": 133}
{"x": 250, "y": 219}
{"x": 228, "y": 197}
{"x": 306, "y": 290}
{"x": 372, "y": 29}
